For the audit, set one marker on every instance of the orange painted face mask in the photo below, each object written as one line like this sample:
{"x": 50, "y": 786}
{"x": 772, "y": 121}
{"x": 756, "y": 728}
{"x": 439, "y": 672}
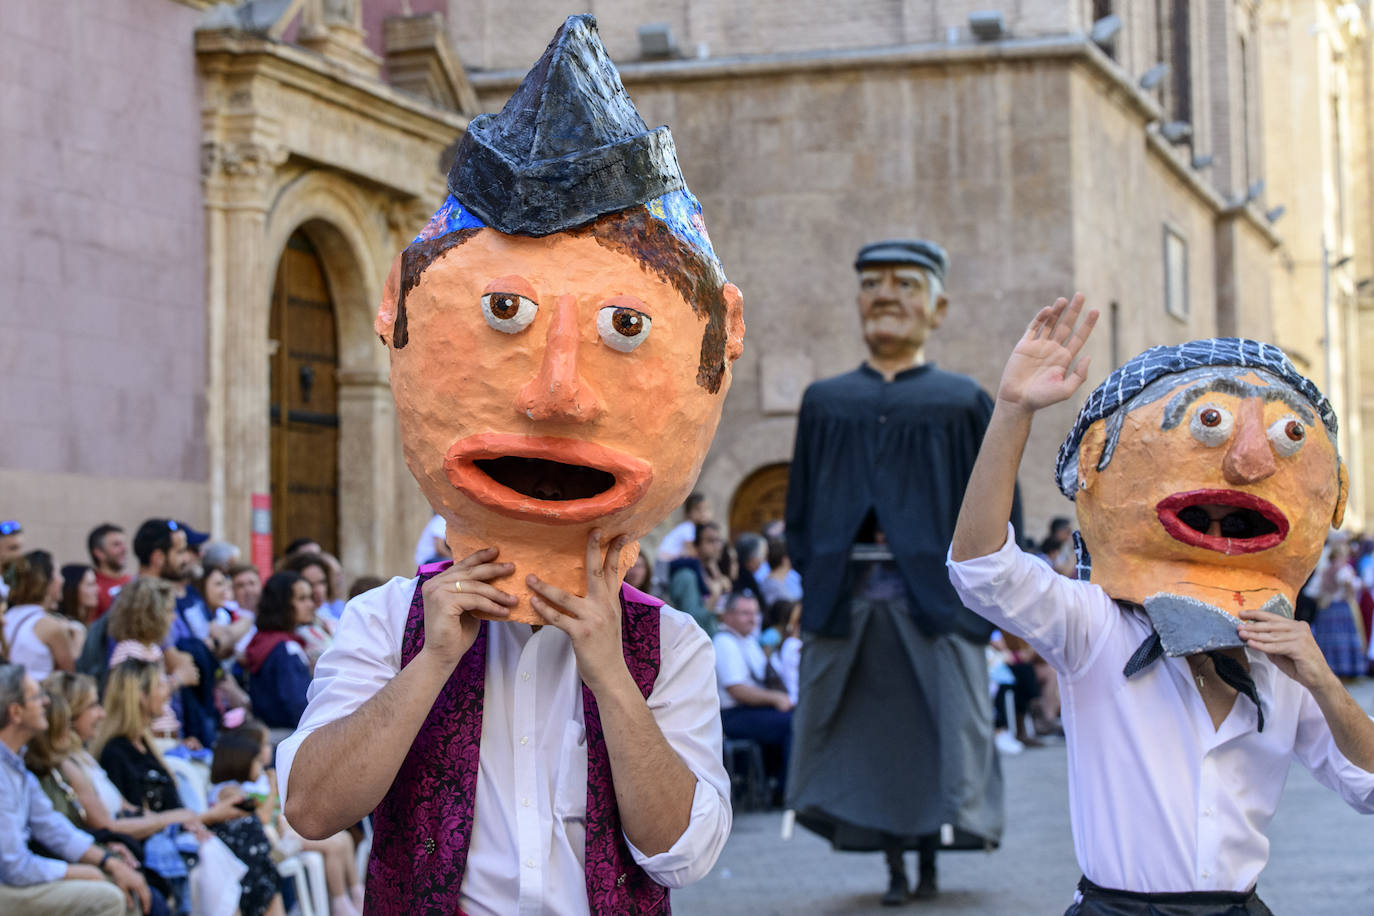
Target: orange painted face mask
{"x": 1217, "y": 486}
{"x": 548, "y": 386}
{"x": 561, "y": 333}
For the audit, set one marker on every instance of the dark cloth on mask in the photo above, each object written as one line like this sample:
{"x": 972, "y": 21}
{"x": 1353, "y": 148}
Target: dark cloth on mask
{"x": 1231, "y": 672}
{"x": 1101, "y": 901}
{"x": 902, "y": 452}
{"x": 1137, "y": 373}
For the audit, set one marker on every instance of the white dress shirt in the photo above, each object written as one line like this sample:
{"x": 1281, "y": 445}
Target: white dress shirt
{"x": 526, "y": 853}
{"x": 1159, "y": 800}
{"x": 739, "y": 660}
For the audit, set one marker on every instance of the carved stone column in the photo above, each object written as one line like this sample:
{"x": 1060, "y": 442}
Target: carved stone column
{"x": 367, "y": 464}
{"x": 238, "y": 180}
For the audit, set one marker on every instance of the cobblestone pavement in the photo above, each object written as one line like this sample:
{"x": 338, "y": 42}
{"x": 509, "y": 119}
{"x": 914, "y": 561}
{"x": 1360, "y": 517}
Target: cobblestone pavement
{"x": 1321, "y": 861}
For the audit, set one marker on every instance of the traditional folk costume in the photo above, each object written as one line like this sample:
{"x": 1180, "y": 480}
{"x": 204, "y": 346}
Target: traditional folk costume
{"x": 893, "y": 736}
{"x": 1168, "y": 812}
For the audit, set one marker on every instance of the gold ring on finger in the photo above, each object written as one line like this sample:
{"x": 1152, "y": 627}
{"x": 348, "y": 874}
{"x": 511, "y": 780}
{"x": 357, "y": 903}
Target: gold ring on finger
{"x": 458, "y": 586}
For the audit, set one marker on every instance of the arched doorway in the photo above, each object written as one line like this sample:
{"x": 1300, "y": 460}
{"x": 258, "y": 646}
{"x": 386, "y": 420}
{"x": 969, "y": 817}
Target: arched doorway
{"x": 760, "y": 498}
{"x": 304, "y": 401}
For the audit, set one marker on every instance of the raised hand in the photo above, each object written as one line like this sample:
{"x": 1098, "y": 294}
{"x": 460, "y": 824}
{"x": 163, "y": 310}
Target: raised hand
{"x": 455, "y": 596}
{"x": 1041, "y": 369}
{"x": 591, "y": 622}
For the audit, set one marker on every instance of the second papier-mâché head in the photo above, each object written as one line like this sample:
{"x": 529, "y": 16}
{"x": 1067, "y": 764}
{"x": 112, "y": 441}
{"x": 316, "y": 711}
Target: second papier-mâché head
{"x": 1206, "y": 478}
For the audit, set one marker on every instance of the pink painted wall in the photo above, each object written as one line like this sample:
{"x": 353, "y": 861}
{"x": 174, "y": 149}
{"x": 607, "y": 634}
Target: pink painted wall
{"x": 102, "y": 286}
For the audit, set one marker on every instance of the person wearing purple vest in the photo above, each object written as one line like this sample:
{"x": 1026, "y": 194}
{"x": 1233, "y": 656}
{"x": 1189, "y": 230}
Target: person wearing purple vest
{"x": 529, "y": 734}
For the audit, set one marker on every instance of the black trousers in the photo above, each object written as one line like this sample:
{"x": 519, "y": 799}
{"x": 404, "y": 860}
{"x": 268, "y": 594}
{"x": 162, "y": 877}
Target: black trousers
{"x": 770, "y": 727}
{"x": 1102, "y": 901}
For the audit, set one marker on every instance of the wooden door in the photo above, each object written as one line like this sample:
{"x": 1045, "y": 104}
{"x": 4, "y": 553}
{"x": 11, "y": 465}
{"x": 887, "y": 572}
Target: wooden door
{"x": 760, "y": 499}
{"x": 305, "y": 406}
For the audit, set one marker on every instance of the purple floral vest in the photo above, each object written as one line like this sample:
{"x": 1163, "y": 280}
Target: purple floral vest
{"x": 422, "y": 828}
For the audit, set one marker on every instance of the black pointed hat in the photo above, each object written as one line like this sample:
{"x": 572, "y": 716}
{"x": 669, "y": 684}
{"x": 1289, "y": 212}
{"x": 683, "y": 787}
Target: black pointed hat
{"x": 567, "y": 148}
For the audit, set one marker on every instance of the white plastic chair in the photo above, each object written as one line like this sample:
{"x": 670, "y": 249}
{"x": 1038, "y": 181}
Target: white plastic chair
{"x": 306, "y": 869}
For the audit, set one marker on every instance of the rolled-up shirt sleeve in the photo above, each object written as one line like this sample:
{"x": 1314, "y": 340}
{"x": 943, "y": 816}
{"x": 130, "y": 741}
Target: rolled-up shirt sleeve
{"x": 686, "y": 707}
{"x": 1063, "y": 619}
{"x": 363, "y": 658}
{"x": 19, "y": 867}
{"x": 1315, "y": 749}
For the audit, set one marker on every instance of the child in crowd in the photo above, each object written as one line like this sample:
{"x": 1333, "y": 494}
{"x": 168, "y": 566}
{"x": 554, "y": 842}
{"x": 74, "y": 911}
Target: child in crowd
{"x": 140, "y": 625}
{"x": 242, "y": 757}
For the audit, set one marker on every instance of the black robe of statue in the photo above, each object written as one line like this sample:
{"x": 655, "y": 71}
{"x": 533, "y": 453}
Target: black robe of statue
{"x": 903, "y": 451}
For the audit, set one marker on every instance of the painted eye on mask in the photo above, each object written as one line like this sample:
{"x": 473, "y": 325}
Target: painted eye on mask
{"x": 1211, "y": 425}
{"x": 1287, "y": 435}
{"x": 623, "y": 328}
{"x": 507, "y": 312}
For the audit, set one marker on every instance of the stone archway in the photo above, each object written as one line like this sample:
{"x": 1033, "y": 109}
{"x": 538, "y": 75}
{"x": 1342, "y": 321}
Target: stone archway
{"x": 331, "y": 213}
{"x": 760, "y": 498}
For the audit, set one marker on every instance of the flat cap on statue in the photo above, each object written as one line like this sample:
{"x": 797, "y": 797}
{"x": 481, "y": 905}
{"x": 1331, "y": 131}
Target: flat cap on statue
{"x": 567, "y": 147}
{"x": 917, "y": 252}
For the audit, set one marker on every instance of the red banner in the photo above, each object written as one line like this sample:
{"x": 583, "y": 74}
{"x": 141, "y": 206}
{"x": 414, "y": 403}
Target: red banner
{"x": 260, "y": 547}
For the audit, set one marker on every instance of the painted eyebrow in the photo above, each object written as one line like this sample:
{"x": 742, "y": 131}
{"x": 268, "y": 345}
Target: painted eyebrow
{"x": 1178, "y": 405}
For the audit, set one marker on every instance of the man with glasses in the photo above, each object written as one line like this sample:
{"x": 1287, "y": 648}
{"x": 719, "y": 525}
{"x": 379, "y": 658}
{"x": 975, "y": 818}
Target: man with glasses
{"x": 74, "y": 878}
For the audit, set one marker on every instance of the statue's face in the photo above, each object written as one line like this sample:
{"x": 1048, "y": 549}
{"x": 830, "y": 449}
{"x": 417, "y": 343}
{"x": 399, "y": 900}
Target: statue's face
{"x": 549, "y": 386}
{"x": 1223, "y": 489}
{"x": 896, "y": 308}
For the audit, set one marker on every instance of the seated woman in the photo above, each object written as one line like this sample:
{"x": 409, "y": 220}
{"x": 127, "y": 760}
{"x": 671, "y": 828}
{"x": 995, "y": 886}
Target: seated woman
{"x": 124, "y": 745}
{"x": 228, "y": 624}
{"x": 74, "y": 716}
{"x": 35, "y": 636}
{"x": 277, "y": 666}
{"x": 141, "y": 624}
{"x": 229, "y": 628}
{"x": 80, "y": 593}
{"x": 318, "y": 632}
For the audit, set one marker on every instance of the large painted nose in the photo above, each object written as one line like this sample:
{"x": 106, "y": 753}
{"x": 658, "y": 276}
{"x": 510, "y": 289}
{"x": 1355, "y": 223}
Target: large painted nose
{"x": 558, "y": 391}
{"x": 1249, "y": 458}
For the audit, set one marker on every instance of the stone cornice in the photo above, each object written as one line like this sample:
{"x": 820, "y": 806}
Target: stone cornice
{"x": 1073, "y": 49}
{"x": 266, "y": 102}
{"x": 226, "y": 53}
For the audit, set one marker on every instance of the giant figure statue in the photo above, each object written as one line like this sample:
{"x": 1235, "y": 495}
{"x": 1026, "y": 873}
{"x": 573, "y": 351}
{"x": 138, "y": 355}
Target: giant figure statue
{"x": 1206, "y": 478}
{"x": 893, "y": 736}
{"x": 530, "y": 734}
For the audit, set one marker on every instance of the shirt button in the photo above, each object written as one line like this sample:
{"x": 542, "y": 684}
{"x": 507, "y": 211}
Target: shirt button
{"x": 524, "y": 739}
{"x": 525, "y": 802}
{"x": 524, "y": 675}
{"x": 529, "y": 863}
{"x": 1206, "y": 812}
{"x": 882, "y": 418}
{"x": 1206, "y": 874}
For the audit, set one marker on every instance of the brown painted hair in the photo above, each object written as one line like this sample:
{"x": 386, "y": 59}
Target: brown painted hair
{"x": 635, "y": 233}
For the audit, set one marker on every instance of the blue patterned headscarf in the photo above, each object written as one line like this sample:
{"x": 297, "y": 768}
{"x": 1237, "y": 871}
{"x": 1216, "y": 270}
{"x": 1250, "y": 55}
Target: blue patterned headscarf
{"x": 678, "y": 210}
{"x": 1157, "y": 362}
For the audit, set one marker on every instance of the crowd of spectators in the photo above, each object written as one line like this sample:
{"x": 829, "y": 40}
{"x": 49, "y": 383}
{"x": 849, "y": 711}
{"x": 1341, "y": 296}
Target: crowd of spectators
{"x": 747, "y": 598}
{"x": 139, "y": 710}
